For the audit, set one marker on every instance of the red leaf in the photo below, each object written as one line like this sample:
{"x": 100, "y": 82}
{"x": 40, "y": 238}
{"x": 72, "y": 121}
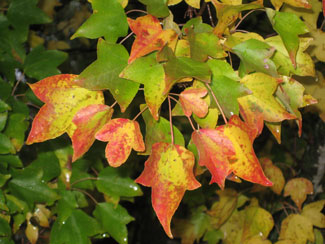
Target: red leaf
{"x": 191, "y": 100}
{"x": 150, "y": 36}
{"x": 169, "y": 171}
{"x": 88, "y": 121}
{"x": 122, "y": 135}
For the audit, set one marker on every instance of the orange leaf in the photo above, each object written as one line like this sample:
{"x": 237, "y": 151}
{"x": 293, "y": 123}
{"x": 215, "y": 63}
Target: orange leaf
{"x": 122, "y": 135}
{"x": 88, "y": 121}
{"x": 297, "y": 189}
{"x": 150, "y": 36}
{"x": 64, "y": 100}
{"x": 191, "y": 100}
{"x": 169, "y": 171}
{"x": 229, "y": 148}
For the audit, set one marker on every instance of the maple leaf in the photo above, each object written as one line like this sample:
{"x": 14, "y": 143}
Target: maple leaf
{"x": 313, "y": 211}
{"x": 122, "y": 135}
{"x": 289, "y": 32}
{"x": 64, "y": 100}
{"x": 104, "y": 73}
{"x": 228, "y": 13}
{"x": 228, "y": 148}
{"x": 191, "y": 100}
{"x": 226, "y": 87}
{"x": 261, "y": 105}
{"x": 291, "y": 94}
{"x": 150, "y": 36}
{"x": 147, "y": 71}
{"x": 296, "y": 3}
{"x": 192, "y": 3}
{"x": 157, "y": 8}
{"x": 169, "y": 171}
{"x": 297, "y": 189}
{"x": 88, "y": 121}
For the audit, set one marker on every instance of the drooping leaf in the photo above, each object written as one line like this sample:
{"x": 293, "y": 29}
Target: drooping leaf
{"x": 210, "y": 120}
{"x": 41, "y": 63}
{"x": 147, "y": 71}
{"x": 157, "y": 8}
{"x": 159, "y": 131}
{"x": 113, "y": 220}
{"x": 291, "y": 94}
{"x": 289, "y": 32}
{"x": 226, "y": 87}
{"x": 313, "y": 211}
{"x": 274, "y": 174}
{"x": 88, "y": 121}
{"x": 150, "y": 36}
{"x": 261, "y": 105}
{"x": 169, "y": 171}
{"x": 63, "y": 99}
{"x": 228, "y": 13}
{"x": 305, "y": 64}
{"x": 113, "y": 183}
{"x": 77, "y": 228}
{"x": 104, "y": 73}
{"x": 31, "y": 230}
{"x": 317, "y": 44}
{"x": 297, "y": 228}
{"x": 233, "y": 228}
{"x": 255, "y": 56}
{"x": 192, "y": 102}
{"x": 108, "y": 20}
{"x": 297, "y": 189}
{"x": 228, "y": 149}
{"x": 296, "y": 3}
{"x": 122, "y": 135}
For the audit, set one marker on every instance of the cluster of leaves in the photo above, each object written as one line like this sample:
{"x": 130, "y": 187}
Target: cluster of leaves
{"x": 264, "y": 88}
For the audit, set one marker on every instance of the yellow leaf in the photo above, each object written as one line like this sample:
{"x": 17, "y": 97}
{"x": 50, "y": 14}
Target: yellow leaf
{"x": 31, "y": 230}
{"x": 312, "y": 211}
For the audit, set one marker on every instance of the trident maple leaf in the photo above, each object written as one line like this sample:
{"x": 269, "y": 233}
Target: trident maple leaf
{"x": 150, "y": 36}
{"x": 229, "y": 148}
{"x": 64, "y": 100}
{"x": 169, "y": 171}
{"x": 191, "y": 100}
{"x": 122, "y": 135}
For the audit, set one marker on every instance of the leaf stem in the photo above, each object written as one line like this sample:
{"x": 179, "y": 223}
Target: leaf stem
{"x": 203, "y": 7}
{"x": 136, "y": 10}
{"x": 210, "y": 15}
{"x": 242, "y": 19}
{"x": 174, "y": 94}
{"x": 113, "y": 104}
{"x": 144, "y": 109}
{"x": 216, "y": 100}
{"x": 86, "y": 193}
{"x": 83, "y": 179}
{"x": 125, "y": 38}
{"x": 170, "y": 120}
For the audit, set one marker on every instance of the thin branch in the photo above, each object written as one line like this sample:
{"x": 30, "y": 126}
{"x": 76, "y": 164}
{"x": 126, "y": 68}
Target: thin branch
{"x": 244, "y": 17}
{"x": 203, "y": 7}
{"x": 322, "y": 25}
{"x": 94, "y": 170}
{"x": 174, "y": 94}
{"x": 170, "y": 120}
{"x": 243, "y": 31}
{"x": 136, "y": 10}
{"x": 216, "y": 100}
{"x": 16, "y": 85}
{"x": 125, "y": 38}
{"x": 230, "y": 59}
{"x": 210, "y": 15}
{"x": 144, "y": 109}
{"x": 83, "y": 179}
{"x": 33, "y": 105}
{"x": 86, "y": 193}
{"x": 112, "y": 106}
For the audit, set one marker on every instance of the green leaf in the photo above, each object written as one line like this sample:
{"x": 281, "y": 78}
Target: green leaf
{"x": 6, "y": 145}
{"x": 104, "y": 73}
{"x": 5, "y": 230}
{"x": 11, "y": 160}
{"x": 197, "y": 25}
{"x": 77, "y": 228}
{"x": 113, "y": 183}
{"x": 108, "y": 20}
{"x": 226, "y": 87}
{"x": 5, "y": 90}
{"x": 18, "y": 106}
{"x": 80, "y": 175}
{"x": 255, "y": 56}
{"x": 147, "y": 71}
{"x": 289, "y": 27}
{"x": 49, "y": 163}
{"x": 213, "y": 236}
{"x": 16, "y": 205}
{"x": 204, "y": 45}
{"x": 113, "y": 220}
{"x": 66, "y": 204}
{"x": 27, "y": 185}
{"x": 15, "y": 130}
{"x": 157, "y": 8}
{"x": 3, "y": 120}
{"x": 4, "y": 106}
{"x": 41, "y": 63}
{"x": 4, "y": 179}
{"x": 159, "y": 131}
